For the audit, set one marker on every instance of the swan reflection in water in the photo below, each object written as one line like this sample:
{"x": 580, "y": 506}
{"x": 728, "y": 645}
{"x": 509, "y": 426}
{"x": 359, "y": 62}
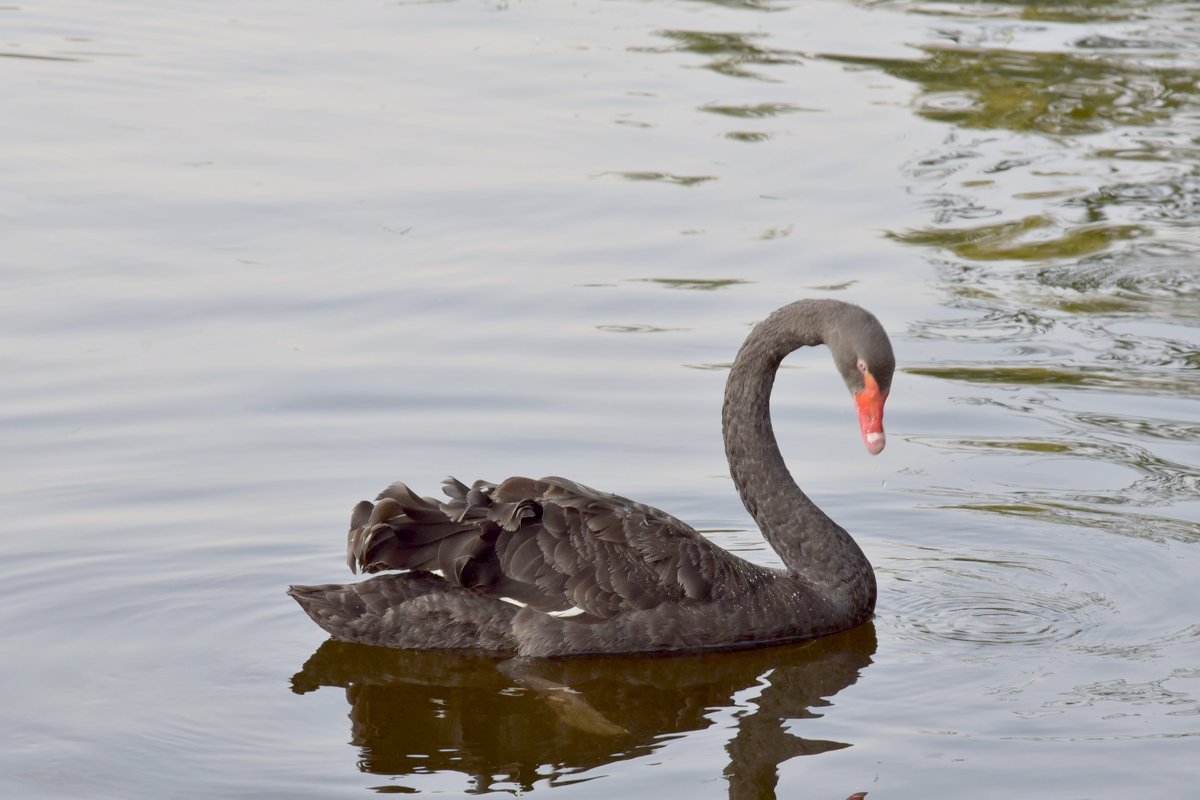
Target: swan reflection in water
{"x": 507, "y": 725}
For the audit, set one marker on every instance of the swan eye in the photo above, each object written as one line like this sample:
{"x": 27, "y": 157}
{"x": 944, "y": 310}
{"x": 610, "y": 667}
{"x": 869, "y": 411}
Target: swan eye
{"x": 862, "y": 366}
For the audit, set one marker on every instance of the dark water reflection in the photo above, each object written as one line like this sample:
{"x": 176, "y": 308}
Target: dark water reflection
{"x": 514, "y": 725}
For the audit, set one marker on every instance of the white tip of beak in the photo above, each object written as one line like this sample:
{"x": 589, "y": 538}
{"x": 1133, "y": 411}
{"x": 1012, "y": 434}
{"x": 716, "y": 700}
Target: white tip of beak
{"x": 875, "y": 442}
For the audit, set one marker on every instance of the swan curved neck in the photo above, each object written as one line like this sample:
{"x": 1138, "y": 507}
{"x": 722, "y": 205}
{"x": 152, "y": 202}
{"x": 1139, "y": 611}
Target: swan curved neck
{"x": 813, "y": 547}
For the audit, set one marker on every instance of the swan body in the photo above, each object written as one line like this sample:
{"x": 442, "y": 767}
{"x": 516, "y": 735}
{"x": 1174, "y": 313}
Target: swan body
{"x": 550, "y": 567}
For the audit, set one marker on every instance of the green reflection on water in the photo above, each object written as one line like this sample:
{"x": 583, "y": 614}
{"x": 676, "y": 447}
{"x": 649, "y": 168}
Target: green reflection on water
{"x": 1072, "y": 11}
{"x": 1141, "y": 526}
{"x": 704, "y": 284}
{"x": 665, "y": 177}
{"x": 1047, "y": 92}
{"x": 757, "y": 111}
{"x": 1028, "y": 446}
{"x": 728, "y": 53}
{"x": 748, "y": 136}
{"x": 1002, "y": 240}
{"x": 1169, "y": 381}
{"x": 1075, "y": 11}
{"x": 1017, "y": 375}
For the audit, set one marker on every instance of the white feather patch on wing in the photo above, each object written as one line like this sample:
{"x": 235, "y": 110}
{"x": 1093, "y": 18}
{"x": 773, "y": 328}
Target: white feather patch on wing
{"x": 516, "y": 603}
{"x": 570, "y": 612}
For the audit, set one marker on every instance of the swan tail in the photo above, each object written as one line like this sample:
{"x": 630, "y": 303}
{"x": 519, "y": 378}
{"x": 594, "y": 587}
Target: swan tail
{"x": 409, "y": 610}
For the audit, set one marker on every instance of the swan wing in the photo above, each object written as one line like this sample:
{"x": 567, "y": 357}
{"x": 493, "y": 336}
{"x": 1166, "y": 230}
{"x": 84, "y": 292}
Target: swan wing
{"x": 551, "y": 544}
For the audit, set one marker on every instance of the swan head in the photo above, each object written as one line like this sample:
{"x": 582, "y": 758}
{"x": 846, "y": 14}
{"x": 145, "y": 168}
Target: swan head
{"x": 870, "y": 401}
{"x": 863, "y": 354}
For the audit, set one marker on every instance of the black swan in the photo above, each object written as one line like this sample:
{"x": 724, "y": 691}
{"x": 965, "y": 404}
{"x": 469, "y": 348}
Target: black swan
{"x": 553, "y": 568}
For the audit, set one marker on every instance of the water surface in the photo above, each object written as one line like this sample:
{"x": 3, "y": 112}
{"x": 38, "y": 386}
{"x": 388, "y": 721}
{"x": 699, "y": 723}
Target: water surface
{"x": 260, "y": 262}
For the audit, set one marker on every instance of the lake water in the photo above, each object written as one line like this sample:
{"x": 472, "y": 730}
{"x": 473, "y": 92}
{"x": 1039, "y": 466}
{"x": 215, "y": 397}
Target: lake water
{"x": 260, "y": 260}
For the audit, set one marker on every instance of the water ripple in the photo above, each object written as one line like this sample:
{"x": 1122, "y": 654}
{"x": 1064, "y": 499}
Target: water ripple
{"x": 1081, "y": 511}
{"x": 1145, "y": 381}
{"x": 1163, "y": 283}
{"x": 976, "y": 601}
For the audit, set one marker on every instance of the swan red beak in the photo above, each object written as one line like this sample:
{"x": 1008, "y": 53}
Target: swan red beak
{"x": 870, "y": 414}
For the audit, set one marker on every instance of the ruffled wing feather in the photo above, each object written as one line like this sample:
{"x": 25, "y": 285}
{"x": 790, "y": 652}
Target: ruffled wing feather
{"x": 550, "y": 544}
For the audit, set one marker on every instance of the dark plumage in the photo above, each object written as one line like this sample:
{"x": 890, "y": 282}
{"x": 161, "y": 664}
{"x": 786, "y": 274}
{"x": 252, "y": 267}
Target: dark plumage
{"x": 551, "y": 567}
